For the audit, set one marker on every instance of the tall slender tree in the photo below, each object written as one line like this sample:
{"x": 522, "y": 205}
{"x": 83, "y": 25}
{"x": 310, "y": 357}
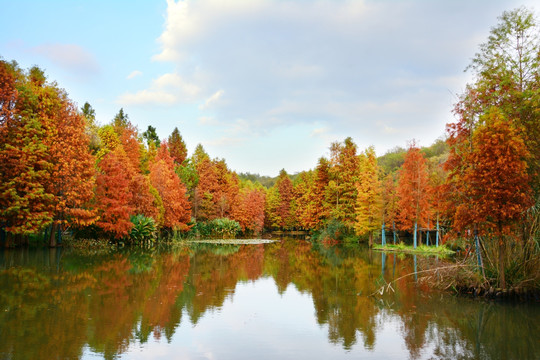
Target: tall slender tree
{"x": 368, "y": 201}
{"x": 171, "y": 190}
{"x": 507, "y": 76}
{"x": 113, "y": 197}
{"x": 72, "y": 173}
{"x": 343, "y": 175}
{"x": 24, "y": 161}
{"x": 177, "y": 147}
{"x": 413, "y": 192}
{"x": 496, "y": 180}
{"x": 389, "y": 201}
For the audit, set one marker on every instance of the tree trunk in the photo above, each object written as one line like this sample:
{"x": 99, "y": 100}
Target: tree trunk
{"x": 501, "y": 258}
{"x": 52, "y": 235}
{"x": 371, "y": 239}
{"x": 414, "y": 239}
{"x": 437, "y": 236}
{"x": 9, "y": 238}
{"x": 479, "y": 252}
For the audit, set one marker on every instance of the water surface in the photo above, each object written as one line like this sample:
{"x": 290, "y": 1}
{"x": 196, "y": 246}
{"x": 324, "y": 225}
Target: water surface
{"x": 284, "y": 300}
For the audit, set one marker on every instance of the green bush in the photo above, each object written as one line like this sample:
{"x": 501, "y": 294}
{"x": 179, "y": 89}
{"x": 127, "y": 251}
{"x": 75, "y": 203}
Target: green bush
{"x": 222, "y": 228}
{"x": 144, "y": 228}
{"x": 336, "y": 230}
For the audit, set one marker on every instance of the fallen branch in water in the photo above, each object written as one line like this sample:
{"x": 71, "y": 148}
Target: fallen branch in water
{"x": 388, "y": 285}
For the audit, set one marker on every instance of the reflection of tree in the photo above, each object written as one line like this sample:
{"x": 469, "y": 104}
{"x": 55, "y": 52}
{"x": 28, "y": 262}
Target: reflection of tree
{"x": 339, "y": 282}
{"x": 119, "y": 296}
{"x": 99, "y": 301}
{"x": 158, "y": 310}
{"x": 213, "y": 277}
{"x": 468, "y": 329}
{"x": 33, "y": 298}
{"x": 106, "y": 302}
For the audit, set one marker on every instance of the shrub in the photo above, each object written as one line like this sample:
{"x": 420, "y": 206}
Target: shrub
{"x": 144, "y": 228}
{"x": 222, "y": 228}
{"x": 336, "y": 230}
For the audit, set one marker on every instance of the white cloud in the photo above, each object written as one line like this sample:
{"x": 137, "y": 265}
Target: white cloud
{"x": 69, "y": 56}
{"x": 167, "y": 89}
{"x": 389, "y": 130}
{"x": 134, "y": 74}
{"x": 212, "y": 99}
{"x": 225, "y": 141}
{"x": 380, "y": 71}
{"x": 147, "y": 97}
{"x": 207, "y": 120}
{"x": 318, "y": 132}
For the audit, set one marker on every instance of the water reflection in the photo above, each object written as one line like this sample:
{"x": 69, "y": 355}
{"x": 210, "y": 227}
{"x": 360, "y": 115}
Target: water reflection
{"x": 64, "y": 304}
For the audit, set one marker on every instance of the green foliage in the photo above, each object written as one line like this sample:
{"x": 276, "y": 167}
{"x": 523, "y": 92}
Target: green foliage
{"x": 92, "y": 129}
{"x": 188, "y": 174}
{"x": 392, "y": 160}
{"x": 107, "y": 139}
{"x": 144, "y": 228}
{"x": 265, "y": 181}
{"x": 151, "y": 137}
{"x": 120, "y": 120}
{"x": 336, "y": 230}
{"x": 438, "y": 149}
{"x": 221, "y": 228}
{"x": 422, "y": 249}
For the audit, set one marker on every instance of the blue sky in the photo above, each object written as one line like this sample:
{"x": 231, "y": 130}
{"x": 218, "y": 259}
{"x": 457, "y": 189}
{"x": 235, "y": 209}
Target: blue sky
{"x": 264, "y": 84}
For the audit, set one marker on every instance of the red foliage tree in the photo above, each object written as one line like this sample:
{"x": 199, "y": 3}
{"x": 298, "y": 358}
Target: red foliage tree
{"x": 47, "y": 170}
{"x": 303, "y": 197}
{"x": 413, "y": 191}
{"x": 113, "y": 198}
{"x": 249, "y": 208}
{"x": 496, "y": 180}
{"x": 389, "y": 200}
{"x": 319, "y": 207}
{"x": 145, "y": 199}
{"x": 207, "y": 189}
{"x": 24, "y": 162}
{"x": 225, "y": 197}
{"x": 177, "y": 147}
{"x": 171, "y": 190}
{"x": 368, "y": 208}
{"x": 341, "y": 191}
{"x": 72, "y": 173}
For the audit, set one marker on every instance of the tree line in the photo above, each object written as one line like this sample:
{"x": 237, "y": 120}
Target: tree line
{"x": 59, "y": 169}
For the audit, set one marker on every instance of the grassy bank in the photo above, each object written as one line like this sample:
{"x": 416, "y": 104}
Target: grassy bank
{"x": 422, "y": 249}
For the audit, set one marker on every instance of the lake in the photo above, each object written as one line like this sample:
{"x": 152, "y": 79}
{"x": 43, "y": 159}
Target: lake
{"x": 284, "y": 300}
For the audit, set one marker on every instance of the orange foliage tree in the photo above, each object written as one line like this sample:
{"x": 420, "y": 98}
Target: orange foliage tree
{"x": 284, "y": 188}
{"x": 389, "y": 201}
{"x": 341, "y": 190}
{"x": 228, "y": 183}
{"x": 24, "y": 163}
{"x": 113, "y": 198}
{"x": 177, "y": 147}
{"x": 413, "y": 192}
{"x": 205, "y": 197}
{"x": 145, "y": 199}
{"x": 171, "y": 190}
{"x": 303, "y": 188}
{"x": 496, "y": 179}
{"x": 47, "y": 172}
{"x": 368, "y": 200}
{"x": 437, "y": 186}
{"x": 72, "y": 173}
{"x": 249, "y": 207}
{"x": 319, "y": 208}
